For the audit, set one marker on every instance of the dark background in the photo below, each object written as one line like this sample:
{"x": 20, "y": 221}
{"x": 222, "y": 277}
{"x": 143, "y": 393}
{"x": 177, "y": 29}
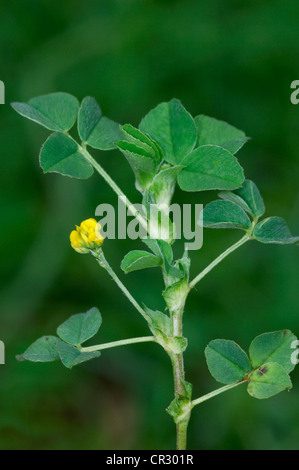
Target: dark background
{"x": 232, "y": 59}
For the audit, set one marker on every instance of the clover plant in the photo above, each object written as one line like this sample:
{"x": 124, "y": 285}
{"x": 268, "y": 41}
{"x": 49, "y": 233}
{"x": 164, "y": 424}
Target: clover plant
{"x": 169, "y": 148}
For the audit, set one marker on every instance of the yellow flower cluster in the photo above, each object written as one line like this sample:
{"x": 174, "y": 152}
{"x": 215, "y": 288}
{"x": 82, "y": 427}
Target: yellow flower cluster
{"x": 87, "y": 236}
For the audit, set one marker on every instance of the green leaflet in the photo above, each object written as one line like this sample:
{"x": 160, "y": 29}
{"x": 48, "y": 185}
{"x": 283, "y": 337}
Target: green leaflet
{"x": 268, "y": 380}
{"x": 95, "y": 129}
{"x": 137, "y": 259}
{"x": 227, "y": 362}
{"x": 248, "y": 197}
{"x": 235, "y": 145}
{"x": 225, "y": 214}
{"x": 71, "y": 356}
{"x": 210, "y": 167}
{"x": 43, "y": 349}
{"x": 60, "y": 154}
{"x": 104, "y": 135}
{"x": 80, "y": 327}
{"x": 142, "y": 140}
{"x": 139, "y": 158}
{"x": 173, "y": 128}
{"x": 215, "y": 132}
{"x": 273, "y": 347}
{"x": 161, "y": 248}
{"x": 142, "y": 153}
{"x": 55, "y": 111}
{"x": 274, "y": 230}
{"x": 232, "y": 197}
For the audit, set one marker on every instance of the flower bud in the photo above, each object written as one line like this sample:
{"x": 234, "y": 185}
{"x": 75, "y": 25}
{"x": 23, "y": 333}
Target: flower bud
{"x": 87, "y": 236}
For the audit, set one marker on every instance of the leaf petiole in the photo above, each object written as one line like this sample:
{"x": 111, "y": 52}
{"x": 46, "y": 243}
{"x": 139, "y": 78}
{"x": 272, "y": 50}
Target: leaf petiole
{"x": 115, "y": 344}
{"x": 219, "y": 259}
{"x": 215, "y": 393}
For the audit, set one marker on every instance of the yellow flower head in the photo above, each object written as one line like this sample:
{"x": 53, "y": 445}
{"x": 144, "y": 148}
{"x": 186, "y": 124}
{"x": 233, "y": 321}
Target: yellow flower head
{"x": 87, "y": 236}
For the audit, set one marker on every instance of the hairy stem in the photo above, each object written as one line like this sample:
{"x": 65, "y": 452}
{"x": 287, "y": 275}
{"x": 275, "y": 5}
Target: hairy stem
{"x": 181, "y": 434}
{"x": 215, "y": 393}
{"x": 115, "y": 344}
{"x": 114, "y": 186}
{"x": 177, "y": 361}
{"x": 218, "y": 260}
{"x": 99, "y": 255}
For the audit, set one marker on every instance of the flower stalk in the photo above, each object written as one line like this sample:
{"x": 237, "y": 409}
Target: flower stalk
{"x": 99, "y": 255}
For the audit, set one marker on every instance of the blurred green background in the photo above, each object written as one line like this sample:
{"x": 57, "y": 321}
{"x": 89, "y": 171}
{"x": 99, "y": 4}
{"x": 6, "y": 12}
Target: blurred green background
{"x": 233, "y": 60}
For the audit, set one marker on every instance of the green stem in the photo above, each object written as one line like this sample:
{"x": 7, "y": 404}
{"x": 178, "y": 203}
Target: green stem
{"x": 114, "y": 186}
{"x": 181, "y": 438}
{"x": 115, "y": 344}
{"x": 99, "y": 255}
{"x": 215, "y": 393}
{"x": 177, "y": 361}
{"x": 218, "y": 260}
